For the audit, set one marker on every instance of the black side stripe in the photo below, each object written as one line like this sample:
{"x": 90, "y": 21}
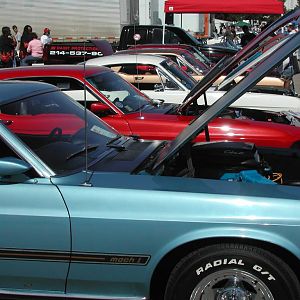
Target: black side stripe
{"x": 76, "y": 257}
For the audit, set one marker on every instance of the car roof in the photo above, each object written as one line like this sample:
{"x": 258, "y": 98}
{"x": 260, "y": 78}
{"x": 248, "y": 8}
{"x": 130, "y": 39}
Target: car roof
{"x": 11, "y": 91}
{"x": 127, "y": 58}
{"x": 163, "y": 46}
{"x": 52, "y": 70}
{"x": 160, "y": 51}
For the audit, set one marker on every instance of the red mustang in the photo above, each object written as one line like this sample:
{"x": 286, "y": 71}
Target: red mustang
{"x": 130, "y": 112}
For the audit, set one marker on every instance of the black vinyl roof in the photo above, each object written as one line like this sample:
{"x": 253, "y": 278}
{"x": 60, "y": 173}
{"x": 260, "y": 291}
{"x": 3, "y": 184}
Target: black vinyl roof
{"x": 11, "y": 91}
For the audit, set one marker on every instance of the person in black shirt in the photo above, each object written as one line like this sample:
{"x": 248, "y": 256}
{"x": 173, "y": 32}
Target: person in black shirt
{"x": 247, "y": 36}
{"x": 25, "y": 39}
{"x": 7, "y": 48}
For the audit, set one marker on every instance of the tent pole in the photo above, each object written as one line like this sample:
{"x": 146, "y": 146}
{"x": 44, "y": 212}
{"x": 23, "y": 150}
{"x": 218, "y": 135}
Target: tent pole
{"x": 164, "y": 28}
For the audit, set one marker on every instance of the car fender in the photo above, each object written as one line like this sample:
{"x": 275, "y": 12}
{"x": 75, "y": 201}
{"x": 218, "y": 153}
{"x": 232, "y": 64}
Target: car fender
{"x": 242, "y": 232}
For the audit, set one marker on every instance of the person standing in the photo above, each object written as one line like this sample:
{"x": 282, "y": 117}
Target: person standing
{"x": 25, "y": 39}
{"x": 35, "y": 51}
{"x": 7, "y": 48}
{"x": 46, "y": 38}
{"x": 247, "y": 36}
{"x": 17, "y": 36}
{"x": 228, "y": 35}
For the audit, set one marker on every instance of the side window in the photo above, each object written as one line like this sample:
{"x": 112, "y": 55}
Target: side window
{"x": 181, "y": 64}
{"x": 167, "y": 83}
{"x": 143, "y": 76}
{"x": 173, "y": 57}
{"x": 172, "y": 38}
{"x": 69, "y": 86}
{"x": 156, "y": 37}
{"x": 143, "y": 36}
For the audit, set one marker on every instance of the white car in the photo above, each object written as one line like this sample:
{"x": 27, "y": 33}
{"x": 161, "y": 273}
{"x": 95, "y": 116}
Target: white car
{"x": 161, "y": 78}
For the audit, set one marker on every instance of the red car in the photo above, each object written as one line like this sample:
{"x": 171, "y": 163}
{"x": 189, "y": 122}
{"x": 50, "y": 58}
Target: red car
{"x": 130, "y": 112}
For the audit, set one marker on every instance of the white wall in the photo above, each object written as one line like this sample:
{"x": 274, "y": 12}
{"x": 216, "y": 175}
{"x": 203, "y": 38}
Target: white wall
{"x": 145, "y": 12}
{"x": 92, "y": 18}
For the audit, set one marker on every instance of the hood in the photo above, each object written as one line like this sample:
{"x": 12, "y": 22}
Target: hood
{"x": 227, "y": 64}
{"x": 199, "y": 124}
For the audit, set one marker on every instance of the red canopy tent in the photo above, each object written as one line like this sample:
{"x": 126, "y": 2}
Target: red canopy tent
{"x": 228, "y": 6}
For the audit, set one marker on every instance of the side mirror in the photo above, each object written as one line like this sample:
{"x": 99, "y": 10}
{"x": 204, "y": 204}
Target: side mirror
{"x": 158, "y": 102}
{"x": 158, "y": 88}
{"x": 99, "y": 108}
{"x": 13, "y": 166}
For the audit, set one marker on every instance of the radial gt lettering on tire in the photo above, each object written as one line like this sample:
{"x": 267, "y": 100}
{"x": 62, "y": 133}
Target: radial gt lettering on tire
{"x": 232, "y": 272}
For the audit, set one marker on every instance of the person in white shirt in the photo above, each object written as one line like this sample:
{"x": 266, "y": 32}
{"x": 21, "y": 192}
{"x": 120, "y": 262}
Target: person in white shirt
{"x": 46, "y": 38}
{"x": 17, "y": 36}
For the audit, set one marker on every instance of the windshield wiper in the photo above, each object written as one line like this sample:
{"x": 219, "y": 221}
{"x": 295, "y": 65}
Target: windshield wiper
{"x": 117, "y": 137}
{"x": 82, "y": 150}
{"x": 111, "y": 143}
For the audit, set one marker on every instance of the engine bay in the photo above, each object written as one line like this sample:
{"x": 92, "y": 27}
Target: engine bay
{"x": 284, "y": 117}
{"x": 242, "y": 162}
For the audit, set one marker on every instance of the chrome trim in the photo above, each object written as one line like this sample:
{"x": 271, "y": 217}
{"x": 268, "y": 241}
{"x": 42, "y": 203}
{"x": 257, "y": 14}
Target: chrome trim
{"x": 65, "y": 296}
{"x": 21, "y": 149}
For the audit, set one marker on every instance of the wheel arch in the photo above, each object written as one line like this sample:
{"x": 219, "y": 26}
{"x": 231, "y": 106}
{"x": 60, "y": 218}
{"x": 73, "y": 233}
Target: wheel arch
{"x": 166, "y": 264}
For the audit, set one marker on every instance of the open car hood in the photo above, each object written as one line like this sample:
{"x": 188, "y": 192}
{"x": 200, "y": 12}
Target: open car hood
{"x": 198, "y": 125}
{"x": 227, "y": 64}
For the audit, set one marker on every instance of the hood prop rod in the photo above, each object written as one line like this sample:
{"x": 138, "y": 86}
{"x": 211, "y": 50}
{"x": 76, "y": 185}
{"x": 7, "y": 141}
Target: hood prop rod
{"x": 207, "y": 136}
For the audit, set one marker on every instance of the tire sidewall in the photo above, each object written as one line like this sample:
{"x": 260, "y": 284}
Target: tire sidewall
{"x": 197, "y": 268}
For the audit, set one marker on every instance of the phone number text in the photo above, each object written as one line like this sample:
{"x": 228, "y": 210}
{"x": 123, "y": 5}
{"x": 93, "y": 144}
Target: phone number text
{"x": 76, "y": 53}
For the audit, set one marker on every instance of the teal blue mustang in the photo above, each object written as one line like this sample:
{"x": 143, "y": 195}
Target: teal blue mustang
{"x": 86, "y": 213}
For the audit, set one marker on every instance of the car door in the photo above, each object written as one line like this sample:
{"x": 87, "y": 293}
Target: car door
{"x": 34, "y": 232}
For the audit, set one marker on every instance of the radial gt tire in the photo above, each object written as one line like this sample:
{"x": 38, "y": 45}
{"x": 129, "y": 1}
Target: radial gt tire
{"x": 232, "y": 272}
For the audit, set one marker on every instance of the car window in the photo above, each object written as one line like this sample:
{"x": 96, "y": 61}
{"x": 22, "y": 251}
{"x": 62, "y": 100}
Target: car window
{"x": 172, "y": 38}
{"x": 50, "y": 124}
{"x": 167, "y": 82}
{"x": 119, "y": 92}
{"x": 70, "y": 86}
{"x": 184, "y": 78}
{"x": 143, "y": 76}
{"x": 142, "y": 36}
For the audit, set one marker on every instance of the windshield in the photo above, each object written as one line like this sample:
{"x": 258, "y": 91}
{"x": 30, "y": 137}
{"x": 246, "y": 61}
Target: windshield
{"x": 185, "y": 79}
{"x": 53, "y": 126}
{"x": 201, "y": 67}
{"x": 200, "y": 56}
{"x": 119, "y": 91}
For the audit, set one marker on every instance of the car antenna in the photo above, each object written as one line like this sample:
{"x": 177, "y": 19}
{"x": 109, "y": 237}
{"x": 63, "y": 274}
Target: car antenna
{"x": 85, "y": 183}
{"x": 136, "y": 37}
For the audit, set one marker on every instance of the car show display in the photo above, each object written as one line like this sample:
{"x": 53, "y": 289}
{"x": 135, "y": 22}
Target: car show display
{"x": 162, "y": 78}
{"x": 126, "y": 109}
{"x": 126, "y": 177}
{"x": 221, "y": 217}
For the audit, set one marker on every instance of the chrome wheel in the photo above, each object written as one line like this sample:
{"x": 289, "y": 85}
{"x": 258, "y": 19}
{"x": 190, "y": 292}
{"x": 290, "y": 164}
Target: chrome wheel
{"x": 231, "y": 284}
